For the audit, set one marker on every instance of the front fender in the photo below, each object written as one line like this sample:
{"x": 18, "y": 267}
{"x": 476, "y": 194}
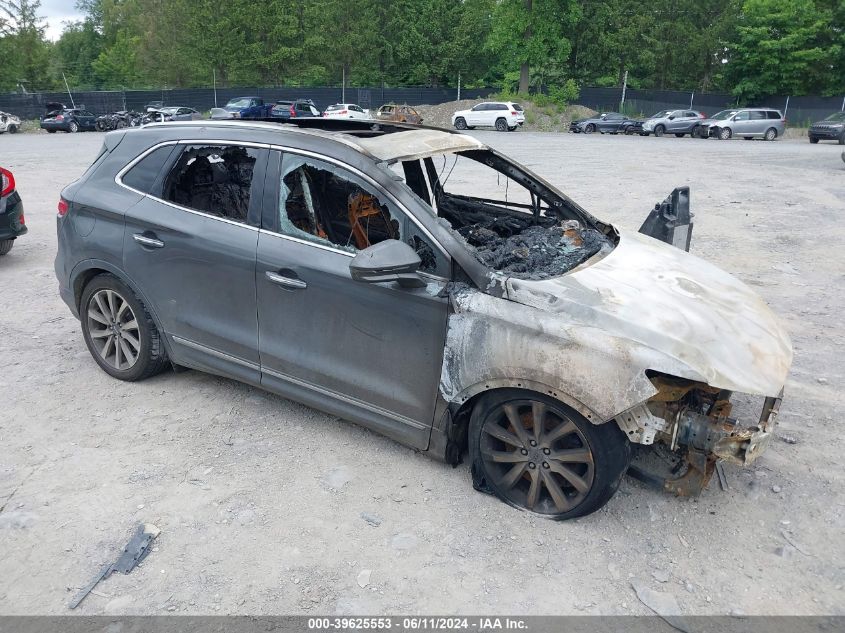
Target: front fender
{"x": 492, "y": 342}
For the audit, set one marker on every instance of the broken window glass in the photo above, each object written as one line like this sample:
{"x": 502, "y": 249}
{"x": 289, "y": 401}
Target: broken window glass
{"x": 213, "y": 179}
{"x": 322, "y": 203}
{"x": 512, "y": 223}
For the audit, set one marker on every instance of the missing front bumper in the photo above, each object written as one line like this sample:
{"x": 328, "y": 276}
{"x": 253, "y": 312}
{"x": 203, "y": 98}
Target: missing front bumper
{"x": 703, "y": 440}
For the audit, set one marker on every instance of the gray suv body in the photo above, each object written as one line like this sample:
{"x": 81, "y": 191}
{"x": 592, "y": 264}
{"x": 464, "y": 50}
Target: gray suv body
{"x": 747, "y": 123}
{"x": 677, "y": 122}
{"x": 376, "y": 273}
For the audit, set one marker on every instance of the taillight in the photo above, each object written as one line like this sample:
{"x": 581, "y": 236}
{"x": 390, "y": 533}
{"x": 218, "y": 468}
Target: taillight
{"x": 63, "y": 207}
{"x": 292, "y": 111}
{"x": 7, "y": 182}
{"x": 513, "y": 113}
{"x": 22, "y": 220}
{"x": 60, "y": 117}
{"x": 701, "y": 115}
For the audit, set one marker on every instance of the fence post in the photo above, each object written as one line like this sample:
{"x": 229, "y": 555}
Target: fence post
{"x": 624, "y": 89}
{"x": 843, "y": 105}
{"x": 786, "y": 107}
{"x": 691, "y": 97}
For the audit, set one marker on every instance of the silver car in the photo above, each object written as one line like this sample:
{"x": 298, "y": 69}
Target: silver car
{"x": 748, "y": 123}
{"x": 677, "y": 122}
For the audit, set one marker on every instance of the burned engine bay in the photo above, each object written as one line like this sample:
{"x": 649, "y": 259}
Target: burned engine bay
{"x": 546, "y": 237}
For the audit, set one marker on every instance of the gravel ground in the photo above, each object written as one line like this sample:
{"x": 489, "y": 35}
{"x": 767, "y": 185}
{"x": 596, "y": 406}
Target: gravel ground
{"x": 260, "y": 499}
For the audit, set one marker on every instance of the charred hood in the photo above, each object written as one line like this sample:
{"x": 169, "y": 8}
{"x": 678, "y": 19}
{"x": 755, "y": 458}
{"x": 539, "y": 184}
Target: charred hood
{"x": 676, "y": 304}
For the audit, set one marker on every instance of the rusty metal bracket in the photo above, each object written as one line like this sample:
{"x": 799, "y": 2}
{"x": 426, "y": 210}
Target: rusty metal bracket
{"x": 700, "y": 468}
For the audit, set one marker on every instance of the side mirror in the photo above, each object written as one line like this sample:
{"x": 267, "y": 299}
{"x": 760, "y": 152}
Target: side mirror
{"x": 390, "y": 260}
{"x": 671, "y": 118}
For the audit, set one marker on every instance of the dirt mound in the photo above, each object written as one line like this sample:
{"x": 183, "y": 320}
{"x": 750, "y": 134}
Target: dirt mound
{"x": 550, "y": 118}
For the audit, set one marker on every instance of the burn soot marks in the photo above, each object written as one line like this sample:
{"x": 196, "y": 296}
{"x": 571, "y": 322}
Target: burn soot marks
{"x": 535, "y": 252}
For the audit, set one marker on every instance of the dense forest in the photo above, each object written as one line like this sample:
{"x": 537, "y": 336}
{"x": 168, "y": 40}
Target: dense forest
{"x": 752, "y": 48}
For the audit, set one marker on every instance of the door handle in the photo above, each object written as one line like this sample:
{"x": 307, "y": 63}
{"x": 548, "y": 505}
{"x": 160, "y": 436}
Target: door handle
{"x": 286, "y": 282}
{"x": 145, "y": 240}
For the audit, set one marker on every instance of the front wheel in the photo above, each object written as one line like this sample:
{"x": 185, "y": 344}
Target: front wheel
{"x": 73, "y": 127}
{"x": 118, "y": 330}
{"x": 589, "y": 129}
{"x": 6, "y": 246}
{"x": 771, "y": 134}
{"x": 501, "y": 125}
{"x": 814, "y": 140}
{"x": 659, "y": 130}
{"x": 460, "y": 123}
{"x": 539, "y": 455}
{"x": 13, "y": 129}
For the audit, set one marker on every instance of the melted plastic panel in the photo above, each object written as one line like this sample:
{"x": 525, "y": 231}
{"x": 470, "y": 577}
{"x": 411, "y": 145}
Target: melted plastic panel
{"x": 213, "y": 179}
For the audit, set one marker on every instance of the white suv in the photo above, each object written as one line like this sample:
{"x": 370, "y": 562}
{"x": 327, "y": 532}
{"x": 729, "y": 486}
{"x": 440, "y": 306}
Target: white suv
{"x": 503, "y": 116}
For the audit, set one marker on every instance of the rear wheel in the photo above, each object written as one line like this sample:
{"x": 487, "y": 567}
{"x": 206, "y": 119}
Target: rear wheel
{"x": 73, "y": 127}
{"x": 771, "y": 134}
{"x": 6, "y": 246}
{"x": 13, "y": 129}
{"x": 539, "y": 455}
{"x": 659, "y": 130}
{"x": 725, "y": 133}
{"x": 118, "y": 330}
{"x": 460, "y": 123}
{"x": 501, "y": 125}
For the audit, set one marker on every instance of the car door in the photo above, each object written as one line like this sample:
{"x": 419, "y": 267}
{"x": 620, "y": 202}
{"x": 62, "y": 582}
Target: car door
{"x": 190, "y": 246}
{"x": 758, "y": 122}
{"x": 87, "y": 120}
{"x": 741, "y": 124}
{"x": 368, "y": 351}
{"x": 610, "y": 122}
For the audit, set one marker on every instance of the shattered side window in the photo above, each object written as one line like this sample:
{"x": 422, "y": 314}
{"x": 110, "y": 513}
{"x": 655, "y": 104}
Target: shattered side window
{"x": 214, "y": 179}
{"x": 319, "y": 202}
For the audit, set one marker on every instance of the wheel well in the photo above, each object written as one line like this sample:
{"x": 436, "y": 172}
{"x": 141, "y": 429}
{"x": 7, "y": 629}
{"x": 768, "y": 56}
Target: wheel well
{"x": 457, "y": 441}
{"x": 82, "y": 280}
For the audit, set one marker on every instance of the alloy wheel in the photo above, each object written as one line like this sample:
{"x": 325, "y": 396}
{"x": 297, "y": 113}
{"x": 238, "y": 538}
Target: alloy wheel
{"x": 113, "y": 329}
{"x": 537, "y": 457}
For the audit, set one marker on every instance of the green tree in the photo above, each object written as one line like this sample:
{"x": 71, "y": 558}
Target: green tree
{"x": 24, "y": 52}
{"x": 532, "y": 33}
{"x": 780, "y": 47}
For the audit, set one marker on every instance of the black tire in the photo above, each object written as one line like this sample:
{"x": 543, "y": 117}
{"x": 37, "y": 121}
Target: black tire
{"x": 121, "y": 124}
{"x": 628, "y": 130}
{"x": 815, "y": 140}
{"x": 725, "y": 134}
{"x": 51, "y": 131}
{"x": 512, "y": 128}
{"x": 589, "y": 129}
{"x": 770, "y": 135}
{"x": 659, "y": 130}
{"x": 460, "y": 123}
{"x": 151, "y": 356}
{"x": 73, "y": 127}
{"x": 501, "y": 125}
{"x": 842, "y": 138}
{"x": 6, "y": 246}
{"x": 747, "y": 138}
{"x": 679, "y": 135}
{"x": 13, "y": 129}
{"x": 529, "y": 477}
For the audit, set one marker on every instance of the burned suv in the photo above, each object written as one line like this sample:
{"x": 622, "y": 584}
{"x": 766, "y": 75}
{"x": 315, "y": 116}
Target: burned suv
{"x": 417, "y": 282}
